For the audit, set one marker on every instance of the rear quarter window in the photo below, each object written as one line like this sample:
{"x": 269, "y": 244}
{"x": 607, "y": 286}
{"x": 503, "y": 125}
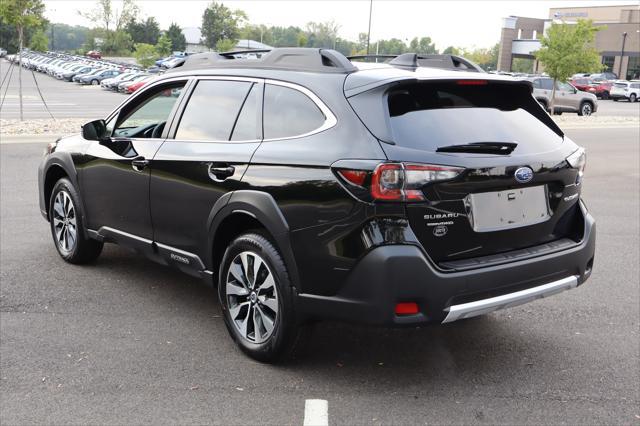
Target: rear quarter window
{"x": 289, "y": 113}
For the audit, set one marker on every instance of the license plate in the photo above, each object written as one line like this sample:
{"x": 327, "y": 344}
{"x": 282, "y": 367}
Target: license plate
{"x": 514, "y": 208}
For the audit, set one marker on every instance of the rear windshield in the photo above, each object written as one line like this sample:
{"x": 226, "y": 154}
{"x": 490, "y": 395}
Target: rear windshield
{"x": 620, "y": 84}
{"x": 428, "y": 116}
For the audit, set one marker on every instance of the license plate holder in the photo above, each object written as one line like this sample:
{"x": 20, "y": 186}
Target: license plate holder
{"x": 513, "y": 208}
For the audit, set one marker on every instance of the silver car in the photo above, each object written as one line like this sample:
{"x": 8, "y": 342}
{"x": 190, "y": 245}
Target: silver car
{"x": 568, "y": 98}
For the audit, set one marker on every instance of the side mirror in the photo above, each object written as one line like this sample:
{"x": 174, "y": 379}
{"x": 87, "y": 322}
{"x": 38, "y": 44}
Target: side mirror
{"x": 95, "y": 130}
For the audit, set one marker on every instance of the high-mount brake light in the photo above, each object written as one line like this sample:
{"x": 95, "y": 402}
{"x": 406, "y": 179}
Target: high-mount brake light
{"x": 472, "y": 82}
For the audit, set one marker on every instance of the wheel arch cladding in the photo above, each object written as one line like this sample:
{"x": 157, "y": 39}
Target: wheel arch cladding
{"x": 243, "y": 210}
{"x": 58, "y": 167}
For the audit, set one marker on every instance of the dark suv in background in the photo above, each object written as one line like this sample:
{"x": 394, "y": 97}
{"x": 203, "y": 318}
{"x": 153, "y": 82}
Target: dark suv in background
{"x": 307, "y": 186}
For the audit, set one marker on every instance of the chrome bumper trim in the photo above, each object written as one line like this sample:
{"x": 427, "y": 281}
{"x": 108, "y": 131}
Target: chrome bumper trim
{"x": 481, "y": 307}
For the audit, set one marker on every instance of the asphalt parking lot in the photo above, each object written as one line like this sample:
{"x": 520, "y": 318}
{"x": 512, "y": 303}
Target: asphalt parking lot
{"x": 71, "y": 100}
{"x": 125, "y": 341}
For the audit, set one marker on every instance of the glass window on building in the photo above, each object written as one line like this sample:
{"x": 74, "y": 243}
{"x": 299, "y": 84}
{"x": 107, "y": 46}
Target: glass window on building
{"x": 633, "y": 69}
{"x": 608, "y": 61}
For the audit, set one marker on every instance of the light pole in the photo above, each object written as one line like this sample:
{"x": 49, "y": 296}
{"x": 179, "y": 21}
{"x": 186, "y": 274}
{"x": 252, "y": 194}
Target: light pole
{"x": 369, "y": 31}
{"x": 624, "y": 39}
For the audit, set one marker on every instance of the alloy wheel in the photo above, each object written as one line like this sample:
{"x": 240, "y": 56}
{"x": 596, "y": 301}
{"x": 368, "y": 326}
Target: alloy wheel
{"x": 252, "y": 297}
{"x": 586, "y": 109}
{"x": 64, "y": 222}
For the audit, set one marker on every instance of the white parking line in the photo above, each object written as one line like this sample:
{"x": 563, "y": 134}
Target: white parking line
{"x": 316, "y": 412}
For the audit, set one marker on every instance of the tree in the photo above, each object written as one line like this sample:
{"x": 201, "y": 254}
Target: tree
{"x": 39, "y": 41}
{"x": 104, "y": 14}
{"x": 451, "y": 50}
{"x": 147, "y": 31}
{"x": 486, "y": 58}
{"x": 22, "y": 14}
{"x": 423, "y": 46}
{"x": 568, "y": 49}
{"x": 145, "y": 54}
{"x": 178, "y": 41}
{"x": 226, "y": 45}
{"x": 163, "y": 48}
{"x": 219, "y": 23}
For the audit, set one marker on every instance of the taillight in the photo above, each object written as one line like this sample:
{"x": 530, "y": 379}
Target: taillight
{"x": 396, "y": 181}
{"x": 578, "y": 160}
{"x": 472, "y": 82}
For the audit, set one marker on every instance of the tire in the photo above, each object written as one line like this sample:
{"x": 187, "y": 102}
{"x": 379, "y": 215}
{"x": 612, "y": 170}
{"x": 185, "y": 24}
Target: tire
{"x": 585, "y": 109}
{"x": 633, "y": 97}
{"x": 262, "y": 322}
{"x": 94, "y": 82}
{"x": 67, "y": 225}
{"x": 605, "y": 95}
{"x": 615, "y": 99}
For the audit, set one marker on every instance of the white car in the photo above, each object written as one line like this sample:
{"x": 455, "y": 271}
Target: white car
{"x": 629, "y": 90}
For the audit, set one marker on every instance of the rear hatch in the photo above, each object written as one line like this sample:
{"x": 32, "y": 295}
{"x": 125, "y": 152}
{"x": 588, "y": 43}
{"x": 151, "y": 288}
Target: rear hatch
{"x": 516, "y": 189}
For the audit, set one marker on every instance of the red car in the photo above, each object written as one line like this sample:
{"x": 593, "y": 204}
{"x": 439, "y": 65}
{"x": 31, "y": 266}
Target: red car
{"x": 601, "y": 88}
{"x": 581, "y": 83}
{"x": 94, "y": 54}
{"x": 135, "y": 86}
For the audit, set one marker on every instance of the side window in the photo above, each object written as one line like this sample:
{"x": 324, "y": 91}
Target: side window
{"x": 246, "y": 127}
{"x": 536, "y": 84}
{"x": 288, "y": 113}
{"x": 564, "y": 86}
{"x": 547, "y": 84}
{"x": 147, "y": 117}
{"x": 212, "y": 110}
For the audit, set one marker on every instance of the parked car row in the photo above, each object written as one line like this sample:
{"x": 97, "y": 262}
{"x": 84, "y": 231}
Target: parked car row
{"x": 120, "y": 77}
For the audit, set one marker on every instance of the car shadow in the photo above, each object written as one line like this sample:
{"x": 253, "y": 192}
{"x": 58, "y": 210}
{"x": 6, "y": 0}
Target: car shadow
{"x": 483, "y": 348}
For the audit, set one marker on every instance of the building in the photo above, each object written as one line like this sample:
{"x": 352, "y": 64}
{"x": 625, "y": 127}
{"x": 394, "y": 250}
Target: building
{"x": 618, "y": 43}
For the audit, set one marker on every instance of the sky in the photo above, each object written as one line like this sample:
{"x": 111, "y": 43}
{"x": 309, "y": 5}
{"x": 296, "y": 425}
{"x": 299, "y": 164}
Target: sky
{"x": 448, "y": 23}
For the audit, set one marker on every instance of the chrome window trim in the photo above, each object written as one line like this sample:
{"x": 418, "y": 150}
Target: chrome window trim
{"x": 330, "y": 119}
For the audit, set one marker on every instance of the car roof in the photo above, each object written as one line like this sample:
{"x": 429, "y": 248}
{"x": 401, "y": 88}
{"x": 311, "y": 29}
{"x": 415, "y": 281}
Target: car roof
{"x": 314, "y": 68}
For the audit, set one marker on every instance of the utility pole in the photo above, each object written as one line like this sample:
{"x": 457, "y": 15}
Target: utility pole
{"x": 369, "y": 31}
{"x": 624, "y": 39}
{"x": 20, "y": 36}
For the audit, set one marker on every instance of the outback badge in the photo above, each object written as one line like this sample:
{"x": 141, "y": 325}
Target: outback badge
{"x": 524, "y": 174}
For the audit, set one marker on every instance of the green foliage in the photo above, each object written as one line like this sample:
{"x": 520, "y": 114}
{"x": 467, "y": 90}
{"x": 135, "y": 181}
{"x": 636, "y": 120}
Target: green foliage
{"x": 106, "y": 16}
{"x": 569, "y": 49}
{"x": 66, "y": 37}
{"x": 451, "y": 50}
{"x": 145, "y": 54}
{"x": 147, "y": 31}
{"x": 178, "y": 41}
{"x": 225, "y": 45}
{"x": 163, "y": 48}
{"x": 524, "y": 65}
{"x": 220, "y": 23}
{"x": 39, "y": 41}
{"x": 423, "y": 46}
{"x": 19, "y": 20}
{"x": 486, "y": 58}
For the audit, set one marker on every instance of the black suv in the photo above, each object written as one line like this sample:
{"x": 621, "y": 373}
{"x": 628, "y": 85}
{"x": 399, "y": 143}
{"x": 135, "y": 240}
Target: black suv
{"x": 307, "y": 186}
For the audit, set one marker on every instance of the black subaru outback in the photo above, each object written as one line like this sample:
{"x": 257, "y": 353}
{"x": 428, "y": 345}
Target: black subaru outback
{"x": 309, "y": 186}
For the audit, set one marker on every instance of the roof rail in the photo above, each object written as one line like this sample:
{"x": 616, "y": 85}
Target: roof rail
{"x": 286, "y": 58}
{"x": 412, "y": 61}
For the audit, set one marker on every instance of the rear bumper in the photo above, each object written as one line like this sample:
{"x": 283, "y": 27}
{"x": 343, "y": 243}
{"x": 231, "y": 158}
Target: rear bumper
{"x": 617, "y": 96}
{"x": 391, "y": 274}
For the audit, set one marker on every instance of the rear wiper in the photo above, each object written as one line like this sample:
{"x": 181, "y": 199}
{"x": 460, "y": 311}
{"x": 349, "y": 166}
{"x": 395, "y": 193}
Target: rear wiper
{"x": 500, "y": 148}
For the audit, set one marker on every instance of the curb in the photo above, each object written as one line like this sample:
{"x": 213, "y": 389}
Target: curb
{"x": 38, "y": 138}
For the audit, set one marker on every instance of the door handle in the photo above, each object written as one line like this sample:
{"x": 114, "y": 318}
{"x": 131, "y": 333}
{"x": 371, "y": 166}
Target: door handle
{"x": 219, "y": 172}
{"x": 139, "y": 163}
